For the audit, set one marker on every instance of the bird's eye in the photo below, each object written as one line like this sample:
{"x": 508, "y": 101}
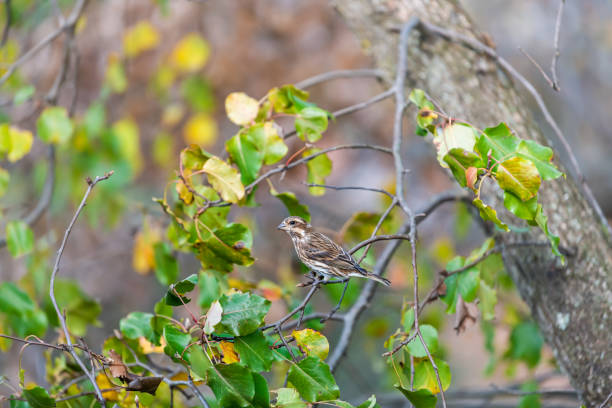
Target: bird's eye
{"x": 291, "y": 222}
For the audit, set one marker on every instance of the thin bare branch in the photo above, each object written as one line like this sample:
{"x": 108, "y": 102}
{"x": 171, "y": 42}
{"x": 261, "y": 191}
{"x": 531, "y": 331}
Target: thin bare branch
{"x": 68, "y": 24}
{"x": 557, "y": 53}
{"x": 353, "y": 108}
{"x": 7, "y": 23}
{"x": 341, "y": 73}
{"x": 60, "y": 315}
{"x": 376, "y": 190}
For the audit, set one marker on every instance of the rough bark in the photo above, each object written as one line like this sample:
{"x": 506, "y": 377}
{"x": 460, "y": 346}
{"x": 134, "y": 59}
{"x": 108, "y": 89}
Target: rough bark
{"x": 572, "y": 304}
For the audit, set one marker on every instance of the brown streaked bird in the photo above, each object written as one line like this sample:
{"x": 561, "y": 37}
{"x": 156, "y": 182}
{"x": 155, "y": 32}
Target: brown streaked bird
{"x": 319, "y": 253}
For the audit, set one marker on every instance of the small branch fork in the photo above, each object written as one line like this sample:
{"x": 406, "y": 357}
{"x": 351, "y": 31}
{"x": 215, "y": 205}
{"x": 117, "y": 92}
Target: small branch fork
{"x": 553, "y": 80}
{"x": 62, "y": 319}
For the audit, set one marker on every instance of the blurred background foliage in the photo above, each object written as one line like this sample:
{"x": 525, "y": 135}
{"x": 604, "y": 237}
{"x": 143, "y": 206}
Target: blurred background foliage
{"x": 151, "y": 78}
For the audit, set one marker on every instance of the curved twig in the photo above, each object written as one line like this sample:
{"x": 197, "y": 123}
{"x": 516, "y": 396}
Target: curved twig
{"x": 341, "y": 73}
{"x": 46, "y": 195}
{"x": 60, "y": 315}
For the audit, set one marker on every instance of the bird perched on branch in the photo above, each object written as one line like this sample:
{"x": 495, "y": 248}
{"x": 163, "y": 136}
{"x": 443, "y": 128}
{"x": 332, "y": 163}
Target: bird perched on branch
{"x": 322, "y": 255}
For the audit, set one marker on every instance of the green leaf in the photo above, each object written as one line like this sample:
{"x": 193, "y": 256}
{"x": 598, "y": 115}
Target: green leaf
{"x": 194, "y": 157}
{"x": 318, "y": 169}
{"x": 232, "y": 385}
{"x": 23, "y": 94}
{"x": 459, "y": 160}
{"x": 199, "y": 362}
{"x": 408, "y": 318}
{"x": 81, "y": 310}
{"x": 419, "y": 399}
{"x": 499, "y": 141}
{"x": 292, "y": 204}
{"x": 261, "y": 399}
{"x": 224, "y": 247}
{"x": 224, "y": 178}
{"x": 488, "y": 300}
{"x": 526, "y": 343}
{"x": 5, "y": 178}
{"x": 456, "y": 136}
{"x": 197, "y": 91}
{"x": 31, "y": 322}
{"x": 425, "y": 376}
{"x": 310, "y": 123}
{"x": 274, "y": 146}
{"x": 95, "y": 119}
{"x": 542, "y": 222}
{"x": 312, "y": 343}
{"x": 13, "y": 300}
{"x": 210, "y": 288}
{"x": 243, "y": 313}
{"x": 166, "y": 265}
{"x": 532, "y": 400}
{"x": 541, "y": 156}
{"x": 430, "y": 335}
{"x": 137, "y": 324}
{"x": 181, "y": 287}
{"x": 464, "y": 283}
{"x": 38, "y": 397}
{"x": 418, "y": 97}
{"x": 254, "y": 146}
{"x": 54, "y": 126}
{"x": 525, "y": 210}
{"x": 176, "y": 339}
{"x": 487, "y": 213}
{"x": 244, "y": 151}
{"x": 19, "y": 238}
{"x": 313, "y": 380}
{"x": 288, "y": 99}
{"x": 370, "y": 403}
{"x": 254, "y": 351}
{"x": 288, "y": 398}
{"x": 518, "y": 176}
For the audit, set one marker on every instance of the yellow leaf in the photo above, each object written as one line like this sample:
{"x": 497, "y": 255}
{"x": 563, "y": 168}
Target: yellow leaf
{"x": 8, "y": 54}
{"x": 241, "y": 108}
{"x": 224, "y": 178}
{"x": 15, "y": 142}
{"x": 140, "y": 38}
{"x": 312, "y": 342}
{"x": 147, "y": 347}
{"x": 200, "y": 129}
{"x": 163, "y": 79}
{"x": 172, "y": 114}
{"x": 240, "y": 284}
{"x": 163, "y": 149}
{"x": 229, "y": 354}
{"x": 143, "y": 255}
{"x": 128, "y": 139}
{"x": 80, "y": 24}
{"x": 105, "y": 384}
{"x": 115, "y": 74}
{"x": 190, "y": 54}
{"x": 184, "y": 194}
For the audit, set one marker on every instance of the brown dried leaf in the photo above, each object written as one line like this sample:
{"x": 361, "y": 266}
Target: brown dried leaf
{"x": 117, "y": 367}
{"x": 465, "y": 313}
{"x": 471, "y": 175}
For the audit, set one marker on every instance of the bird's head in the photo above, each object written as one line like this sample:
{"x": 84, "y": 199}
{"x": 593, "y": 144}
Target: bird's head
{"x": 294, "y": 225}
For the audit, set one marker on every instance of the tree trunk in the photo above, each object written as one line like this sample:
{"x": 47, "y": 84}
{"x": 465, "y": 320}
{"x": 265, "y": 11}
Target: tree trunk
{"x": 572, "y": 304}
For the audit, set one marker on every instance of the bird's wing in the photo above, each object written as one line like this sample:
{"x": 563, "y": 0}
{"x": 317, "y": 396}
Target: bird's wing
{"x": 323, "y": 249}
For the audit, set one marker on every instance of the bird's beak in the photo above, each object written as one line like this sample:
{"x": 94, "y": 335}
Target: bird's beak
{"x": 281, "y": 226}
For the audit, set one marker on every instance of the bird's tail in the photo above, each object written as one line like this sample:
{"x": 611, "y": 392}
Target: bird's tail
{"x": 378, "y": 279}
